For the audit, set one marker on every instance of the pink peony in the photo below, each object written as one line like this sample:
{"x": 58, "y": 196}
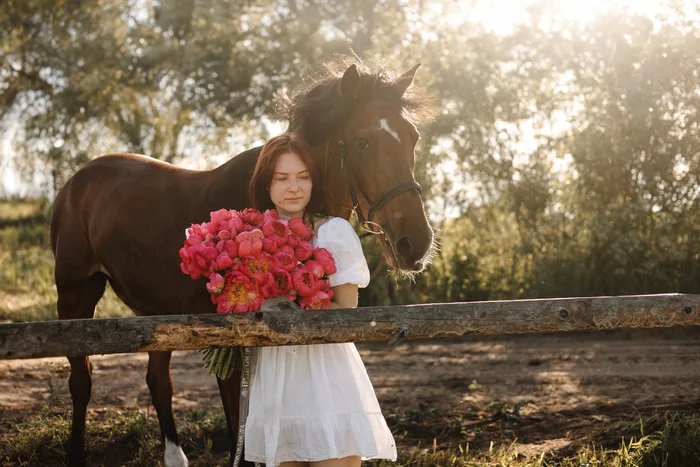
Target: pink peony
{"x": 326, "y": 287}
{"x": 216, "y": 284}
{"x": 270, "y": 215}
{"x": 194, "y": 239}
{"x": 197, "y": 260}
{"x": 281, "y": 283}
{"x": 211, "y": 227}
{"x": 325, "y": 257}
{"x": 222, "y": 215}
{"x": 189, "y": 267}
{"x": 303, "y": 251}
{"x": 269, "y": 245}
{"x": 224, "y": 235}
{"x": 265, "y": 288}
{"x": 285, "y": 261}
{"x": 287, "y": 249}
{"x": 192, "y": 270}
{"x": 242, "y": 237}
{"x": 245, "y": 248}
{"x": 315, "y": 268}
{"x": 256, "y": 247}
{"x": 304, "y": 282}
{"x": 293, "y": 241}
{"x": 257, "y": 234}
{"x": 249, "y": 243}
{"x": 240, "y": 294}
{"x": 229, "y": 247}
{"x": 251, "y": 218}
{"x": 198, "y": 229}
{"x": 259, "y": 267}
{"x": 235, "y": 224}
{"x": 222, "y": 262}
{"x": 316, "y": 301}
{"x": 300, "y": 228}
{"x": 276, "y": 230}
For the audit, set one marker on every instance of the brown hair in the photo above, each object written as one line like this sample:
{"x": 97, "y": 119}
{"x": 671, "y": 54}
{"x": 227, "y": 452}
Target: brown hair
{"x": 265, "y": 168}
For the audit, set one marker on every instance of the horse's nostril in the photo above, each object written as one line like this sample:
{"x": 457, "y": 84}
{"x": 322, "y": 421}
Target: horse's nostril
{"x": 405, "y": 250}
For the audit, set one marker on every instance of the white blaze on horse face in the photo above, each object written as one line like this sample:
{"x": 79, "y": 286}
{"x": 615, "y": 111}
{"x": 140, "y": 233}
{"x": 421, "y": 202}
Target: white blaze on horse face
{"x": 174, "y": 457}
{"x": 384, "y": 125}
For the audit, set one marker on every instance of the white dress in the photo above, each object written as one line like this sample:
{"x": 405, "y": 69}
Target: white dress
{"x": 315, "y": 402}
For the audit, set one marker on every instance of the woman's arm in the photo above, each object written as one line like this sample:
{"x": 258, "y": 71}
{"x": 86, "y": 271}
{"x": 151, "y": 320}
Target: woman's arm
{"x": 344, "y": 296}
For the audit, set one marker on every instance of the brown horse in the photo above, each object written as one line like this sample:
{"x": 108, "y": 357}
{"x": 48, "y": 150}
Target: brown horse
{"x": 121, "y": 218}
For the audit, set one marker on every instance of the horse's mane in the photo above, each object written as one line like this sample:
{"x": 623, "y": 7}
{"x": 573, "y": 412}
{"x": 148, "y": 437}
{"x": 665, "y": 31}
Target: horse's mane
{"x": 316, "y": 107}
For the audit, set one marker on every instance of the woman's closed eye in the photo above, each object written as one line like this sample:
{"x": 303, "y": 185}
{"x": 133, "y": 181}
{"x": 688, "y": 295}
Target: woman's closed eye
{"x": 283, "y": 176}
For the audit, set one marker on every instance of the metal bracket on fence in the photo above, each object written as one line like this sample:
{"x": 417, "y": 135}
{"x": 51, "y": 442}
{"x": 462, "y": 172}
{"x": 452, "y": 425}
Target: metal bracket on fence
{"x": 399, "y": 336}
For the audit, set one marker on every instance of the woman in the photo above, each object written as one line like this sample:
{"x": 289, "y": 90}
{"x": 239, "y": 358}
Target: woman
{"x": 312, "y": 405}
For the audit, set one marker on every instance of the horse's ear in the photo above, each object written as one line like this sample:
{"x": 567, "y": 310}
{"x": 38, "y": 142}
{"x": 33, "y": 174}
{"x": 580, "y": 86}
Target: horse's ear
{"x": 405, "y": 80}
{"x": 350, "y": 84}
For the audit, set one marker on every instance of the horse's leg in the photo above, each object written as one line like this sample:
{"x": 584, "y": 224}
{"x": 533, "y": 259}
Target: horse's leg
{"x": 77, "y": 300}
{"x": 230, "y": 390}
{"x": 161, "y": 386}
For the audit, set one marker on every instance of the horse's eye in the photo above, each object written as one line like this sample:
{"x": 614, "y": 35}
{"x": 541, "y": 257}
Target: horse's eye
{"x": 362, "y": 143}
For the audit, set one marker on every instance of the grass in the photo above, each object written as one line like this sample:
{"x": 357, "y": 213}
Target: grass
{"x": 27, "y": 289}
{"x": 672, "y": 440}
{"x": 675, "y": 441}
{"x": 131, "y": 438}
{"x": 18, "y": 208}
{"x": 28, "y": 292}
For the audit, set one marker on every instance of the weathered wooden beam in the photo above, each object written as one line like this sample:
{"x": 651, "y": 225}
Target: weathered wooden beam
{"x": 184, "y": 332}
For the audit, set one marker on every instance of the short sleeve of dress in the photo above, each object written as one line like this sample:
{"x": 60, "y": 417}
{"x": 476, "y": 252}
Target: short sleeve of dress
{"x": 338, "y": 237}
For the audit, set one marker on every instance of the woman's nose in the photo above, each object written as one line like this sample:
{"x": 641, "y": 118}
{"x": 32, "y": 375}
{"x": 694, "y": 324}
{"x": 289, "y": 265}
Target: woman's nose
{"x": 293, "y": 185}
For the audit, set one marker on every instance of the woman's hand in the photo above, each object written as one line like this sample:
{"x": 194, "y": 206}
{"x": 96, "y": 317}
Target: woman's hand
{"x": 344, "y": 296}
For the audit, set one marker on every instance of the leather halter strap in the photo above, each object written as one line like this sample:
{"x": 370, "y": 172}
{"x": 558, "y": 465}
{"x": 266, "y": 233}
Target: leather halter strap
{"x": 351, "y": 176}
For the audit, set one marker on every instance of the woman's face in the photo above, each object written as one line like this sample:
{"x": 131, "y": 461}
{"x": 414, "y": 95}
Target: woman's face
{"x": 290, "y": 189}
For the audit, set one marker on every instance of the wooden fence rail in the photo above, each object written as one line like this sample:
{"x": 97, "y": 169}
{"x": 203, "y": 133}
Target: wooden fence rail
{"x": 186, "y": 332}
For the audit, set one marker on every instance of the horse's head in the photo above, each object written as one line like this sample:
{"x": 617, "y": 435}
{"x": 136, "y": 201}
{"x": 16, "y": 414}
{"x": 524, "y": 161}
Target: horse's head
{"x": 358, "y": 125}
{"x": 376, "y": 151}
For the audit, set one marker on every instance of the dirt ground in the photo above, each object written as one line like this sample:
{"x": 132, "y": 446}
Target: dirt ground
{"x": 582, "y": 388}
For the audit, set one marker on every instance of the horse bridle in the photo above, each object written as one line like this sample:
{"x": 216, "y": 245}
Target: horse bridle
{"x": 352, "y": 180}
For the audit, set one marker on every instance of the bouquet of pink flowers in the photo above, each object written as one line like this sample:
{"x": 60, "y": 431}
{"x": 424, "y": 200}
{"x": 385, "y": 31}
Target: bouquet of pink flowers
{"x": 248, "y": 257}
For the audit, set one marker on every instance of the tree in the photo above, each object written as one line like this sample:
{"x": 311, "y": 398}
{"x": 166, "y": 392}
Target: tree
{"x": 164, "y": 79}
